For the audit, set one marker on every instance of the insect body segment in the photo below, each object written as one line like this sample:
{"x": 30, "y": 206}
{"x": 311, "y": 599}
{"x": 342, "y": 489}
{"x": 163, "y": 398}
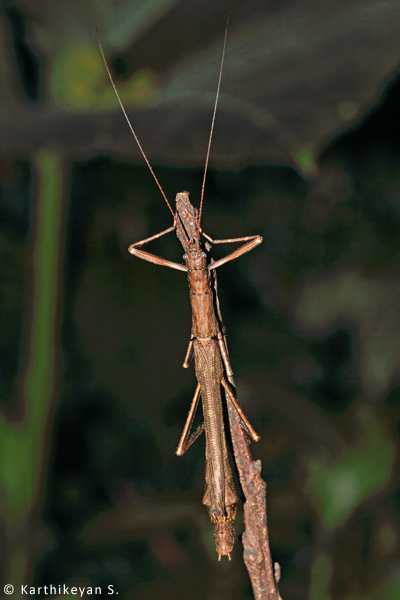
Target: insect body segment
{"x": 220, "y": 495}
{"x": 188, "y": 230}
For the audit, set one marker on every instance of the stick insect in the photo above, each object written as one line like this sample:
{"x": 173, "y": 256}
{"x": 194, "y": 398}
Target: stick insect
{"x": 207, "y": 343}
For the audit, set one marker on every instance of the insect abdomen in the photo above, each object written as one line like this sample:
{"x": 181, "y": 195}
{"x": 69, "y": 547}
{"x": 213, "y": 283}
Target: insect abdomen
{"x": 220, "y": 495}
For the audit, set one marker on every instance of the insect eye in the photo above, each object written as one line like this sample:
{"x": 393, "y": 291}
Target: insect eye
{"x": 204, "y": 255}
{"x": 184, "y": 257}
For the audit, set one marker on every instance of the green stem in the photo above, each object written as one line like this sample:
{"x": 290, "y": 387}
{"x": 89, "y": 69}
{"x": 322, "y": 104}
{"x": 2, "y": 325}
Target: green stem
{"x": 23, "y": 443}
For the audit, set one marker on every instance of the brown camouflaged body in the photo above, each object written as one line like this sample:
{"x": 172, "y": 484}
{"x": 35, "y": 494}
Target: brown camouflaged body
{"x": 220, "y": 495}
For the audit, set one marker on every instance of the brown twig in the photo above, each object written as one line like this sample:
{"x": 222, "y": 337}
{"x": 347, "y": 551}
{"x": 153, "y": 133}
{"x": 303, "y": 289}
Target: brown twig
{"x": 263, "y": 574}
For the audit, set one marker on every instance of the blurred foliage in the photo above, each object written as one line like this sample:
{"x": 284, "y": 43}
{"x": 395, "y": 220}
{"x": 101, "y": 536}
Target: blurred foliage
{"x": 310, "y": 70}
{"x": 78, "y": 81}
{"x": 340, "y": 488}
{"x": 93, "y": 395}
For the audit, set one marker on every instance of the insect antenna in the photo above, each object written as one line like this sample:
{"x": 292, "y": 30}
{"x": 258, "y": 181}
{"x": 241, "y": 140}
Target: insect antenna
{"x": 130, "y": 125}
{"x": 212, "y": 124}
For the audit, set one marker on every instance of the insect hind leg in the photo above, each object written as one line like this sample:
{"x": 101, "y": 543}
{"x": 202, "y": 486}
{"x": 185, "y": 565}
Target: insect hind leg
{"x": 254, "y": 435}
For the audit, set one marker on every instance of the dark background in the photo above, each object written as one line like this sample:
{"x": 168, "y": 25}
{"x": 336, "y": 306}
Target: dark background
{"x": 306, "y": 152}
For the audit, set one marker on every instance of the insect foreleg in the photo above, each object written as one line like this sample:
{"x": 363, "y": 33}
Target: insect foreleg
{"x": 253, "y": 241}
{"x": 153, "y": 237}
{"x": 157, "y": 260}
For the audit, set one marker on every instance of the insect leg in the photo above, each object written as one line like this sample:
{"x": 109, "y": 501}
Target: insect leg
{"x": 225, "y": 356}
{"x": 134, "y": 249}
{"x": 185, "y": 442}
{"x": 254, "y": 240}
{"x": 153, "y": 237}
{"x": 254, "y": 436}
{"x": 188, "y": 355}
